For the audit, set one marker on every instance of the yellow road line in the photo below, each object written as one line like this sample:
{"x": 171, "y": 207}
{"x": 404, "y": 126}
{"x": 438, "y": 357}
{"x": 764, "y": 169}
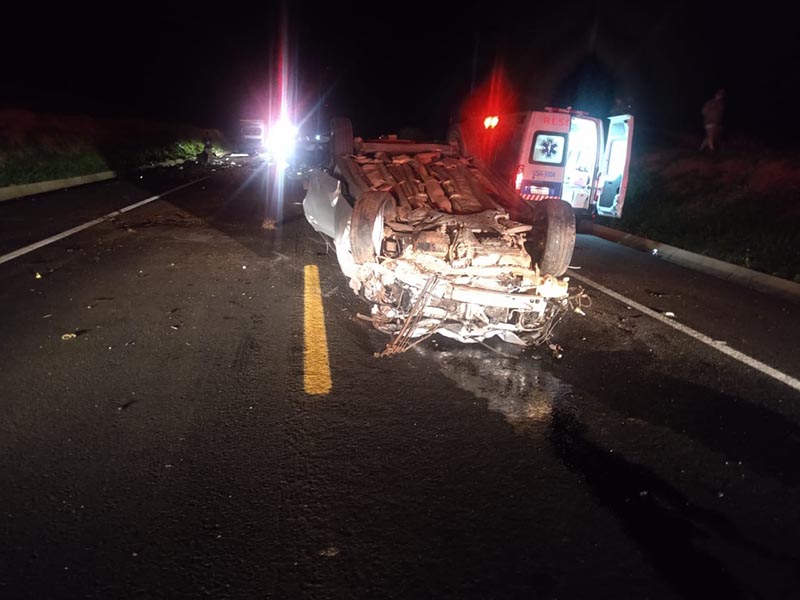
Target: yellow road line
{"x": 316, "y": 368}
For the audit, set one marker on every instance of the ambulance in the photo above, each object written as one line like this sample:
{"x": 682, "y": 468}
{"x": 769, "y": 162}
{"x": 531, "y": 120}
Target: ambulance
{"x": 555, "y": 153}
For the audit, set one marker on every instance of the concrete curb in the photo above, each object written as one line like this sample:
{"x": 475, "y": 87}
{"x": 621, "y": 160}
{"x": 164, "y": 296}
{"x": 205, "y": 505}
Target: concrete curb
{"x": 40, "y": 187}
{"x": 762, "y": 282}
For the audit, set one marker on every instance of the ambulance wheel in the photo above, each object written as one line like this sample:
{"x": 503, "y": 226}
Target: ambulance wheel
{"x": 554, "y": 239}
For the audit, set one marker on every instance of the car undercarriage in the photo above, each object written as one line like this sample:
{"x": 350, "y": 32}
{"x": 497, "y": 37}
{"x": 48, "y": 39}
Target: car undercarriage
{"x": 436, "y": 244}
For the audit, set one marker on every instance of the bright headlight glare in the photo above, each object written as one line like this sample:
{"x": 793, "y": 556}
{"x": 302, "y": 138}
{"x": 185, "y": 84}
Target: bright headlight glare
{"x": 281, "y": 141}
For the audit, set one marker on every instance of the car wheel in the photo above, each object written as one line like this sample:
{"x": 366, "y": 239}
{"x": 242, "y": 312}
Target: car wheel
{"x": 554, "y": 239}
{"x": 342, "y": 136}
{"x": 366, "y": 225}
{"x": 456, "y": 139}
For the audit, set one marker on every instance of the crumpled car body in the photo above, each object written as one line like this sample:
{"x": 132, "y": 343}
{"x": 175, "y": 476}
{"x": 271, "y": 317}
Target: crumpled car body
{"x": 428, "y": 239}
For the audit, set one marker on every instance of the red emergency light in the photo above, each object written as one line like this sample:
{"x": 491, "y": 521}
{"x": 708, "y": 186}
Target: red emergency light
{"x": 491, "y": 122}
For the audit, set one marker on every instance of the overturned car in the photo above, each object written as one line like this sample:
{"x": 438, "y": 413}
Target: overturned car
{"x": 438, "y": 244}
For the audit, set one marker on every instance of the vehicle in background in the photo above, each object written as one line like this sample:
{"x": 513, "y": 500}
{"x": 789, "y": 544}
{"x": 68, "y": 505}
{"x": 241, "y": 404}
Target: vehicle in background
{"x": 555, "y": 153}
{"x": 439, "y": 244}
{"x": 252, "y": 136}
{"x": 311, "y": 153}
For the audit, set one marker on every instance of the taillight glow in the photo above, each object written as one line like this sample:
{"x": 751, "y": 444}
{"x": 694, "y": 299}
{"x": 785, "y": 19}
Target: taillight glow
{"x": 518, "y": 178}
{"x": 491, "y": 122}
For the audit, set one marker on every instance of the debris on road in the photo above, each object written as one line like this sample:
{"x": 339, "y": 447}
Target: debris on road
{"x": 329, "y": 552}
{"x": 68, "y": 336}
{"x": 38, "y": 275}
{"x": 659, "y": 294}
{"x": 268, "y": 224}
{"x": 669, "y": 314}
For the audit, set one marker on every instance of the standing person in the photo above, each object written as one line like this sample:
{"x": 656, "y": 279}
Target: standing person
{"x": 713, "y": 111}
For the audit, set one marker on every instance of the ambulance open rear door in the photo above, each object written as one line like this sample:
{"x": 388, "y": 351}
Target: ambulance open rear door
{"x": 614, "y": 166}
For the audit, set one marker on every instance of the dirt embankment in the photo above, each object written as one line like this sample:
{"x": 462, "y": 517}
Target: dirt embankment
{"x": 740, "y": 204}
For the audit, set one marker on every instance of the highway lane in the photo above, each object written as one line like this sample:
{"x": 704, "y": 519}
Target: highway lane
{"x": 28, "y": 220}
{"x": 172, "y": 450}
{"x": 760, "y": 325}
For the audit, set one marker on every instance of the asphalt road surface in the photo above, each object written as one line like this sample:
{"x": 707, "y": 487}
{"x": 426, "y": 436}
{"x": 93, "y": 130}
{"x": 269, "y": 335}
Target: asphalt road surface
{"x": 170, "y": 450}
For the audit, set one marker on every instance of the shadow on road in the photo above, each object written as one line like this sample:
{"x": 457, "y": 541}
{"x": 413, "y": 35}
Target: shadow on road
{"x": 667, "y": 526}
{"x": 734, "y": 426}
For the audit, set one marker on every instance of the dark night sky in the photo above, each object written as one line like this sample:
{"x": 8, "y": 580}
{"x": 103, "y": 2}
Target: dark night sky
{"x": 393, "y": 65}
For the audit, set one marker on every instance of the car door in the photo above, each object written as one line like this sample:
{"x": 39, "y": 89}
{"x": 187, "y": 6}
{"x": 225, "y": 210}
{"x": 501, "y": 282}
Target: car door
{"x": 614, "y": 166}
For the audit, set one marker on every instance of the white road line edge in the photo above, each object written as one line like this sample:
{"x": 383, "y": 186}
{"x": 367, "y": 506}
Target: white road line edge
{"x": 69, "y": 232}
{"x": 717, "y": 345}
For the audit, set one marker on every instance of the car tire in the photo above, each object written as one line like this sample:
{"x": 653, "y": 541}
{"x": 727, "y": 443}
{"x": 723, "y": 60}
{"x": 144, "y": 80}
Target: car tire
{"x": 366, "y": 225}
{"x": 341, "y": 136}
{"x": 456, "y": 139}
{"x": 553, "y": 250}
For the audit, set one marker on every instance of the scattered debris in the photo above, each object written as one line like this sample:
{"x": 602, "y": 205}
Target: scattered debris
{"x": 47, "y": 316}
{"x": 268, "y": 224}
{"x": 329, "y": 552}
{"x": 68, "y": 336}
{"x": 244, "y": 267}
{"x": 669, "y": 314}
{"x": 38, "y": 275}
{"x": 402, "y": 341}
{"x": 658, "y": 294}
{"x": 557, "y": 350}
{"x": 175, "y": 327}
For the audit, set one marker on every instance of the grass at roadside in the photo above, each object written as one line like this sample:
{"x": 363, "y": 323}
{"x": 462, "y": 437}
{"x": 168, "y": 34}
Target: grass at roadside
{"x": 37, "y": 147}
{"x": 741, "y": 205}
